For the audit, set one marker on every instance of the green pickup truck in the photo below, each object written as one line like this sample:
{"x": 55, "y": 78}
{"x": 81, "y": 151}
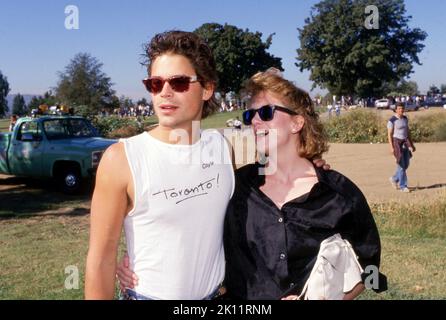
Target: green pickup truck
{"x": 66, "y": 148}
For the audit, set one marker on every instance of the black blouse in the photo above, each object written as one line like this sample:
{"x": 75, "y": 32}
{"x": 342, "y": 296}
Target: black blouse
{"x": 270, "y": 251}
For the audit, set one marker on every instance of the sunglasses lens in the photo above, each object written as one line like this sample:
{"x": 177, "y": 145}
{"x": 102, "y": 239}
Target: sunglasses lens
{"x": 266, "y": 113}
{"x": 180, "y": 84}
{"x": 247, "y": 116}
{"x": 154, "y": 85}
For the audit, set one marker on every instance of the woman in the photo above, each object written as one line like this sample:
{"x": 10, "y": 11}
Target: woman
{"x": 276, "y": 222}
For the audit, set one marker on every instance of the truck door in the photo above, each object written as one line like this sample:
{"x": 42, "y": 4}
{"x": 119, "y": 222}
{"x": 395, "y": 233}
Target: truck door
{"x": 26, "y": 152}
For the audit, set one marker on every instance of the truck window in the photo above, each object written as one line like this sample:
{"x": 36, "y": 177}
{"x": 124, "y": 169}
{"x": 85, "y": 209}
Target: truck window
{"x": 56, "y": 129}
{"x": 67, "y": 129}
{"x": 80, "y": 128}
{"x": 29, "y": 129}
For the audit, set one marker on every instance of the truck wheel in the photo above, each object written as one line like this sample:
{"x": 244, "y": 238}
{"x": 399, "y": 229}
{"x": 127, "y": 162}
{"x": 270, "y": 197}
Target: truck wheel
{"x": 70, "y": 180}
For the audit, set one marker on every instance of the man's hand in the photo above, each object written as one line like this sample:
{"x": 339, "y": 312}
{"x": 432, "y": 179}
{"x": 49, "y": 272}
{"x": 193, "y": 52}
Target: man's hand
{"x": 126, "y": 277}
{"x": 321, "y": 163}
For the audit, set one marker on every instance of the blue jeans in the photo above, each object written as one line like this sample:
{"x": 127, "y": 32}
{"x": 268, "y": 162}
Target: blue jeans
{"x": 400, "y": 175}
{"x": 132, "y": 295}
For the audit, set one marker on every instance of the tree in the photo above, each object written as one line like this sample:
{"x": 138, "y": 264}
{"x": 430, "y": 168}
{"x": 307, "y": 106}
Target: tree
{"x": 238, "y": 54}
{"x": 347, "y": 58}
{"x": 48, "y": 99}
{"x": 142, "y": 101}
{"x": 403, "y": 88}
{"x": 19, "y": 105}
{"x": 4, "y": 90}
{"x": 433, "y": 90}
{"x": 443, "y": 89}
{"x": 125, "y": 102}
{"x": 84, "y": 83}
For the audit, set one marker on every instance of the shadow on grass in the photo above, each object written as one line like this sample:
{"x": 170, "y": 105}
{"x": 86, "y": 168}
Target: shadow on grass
{"x": 22, "y": 198}
{"x": 434, "y": 186}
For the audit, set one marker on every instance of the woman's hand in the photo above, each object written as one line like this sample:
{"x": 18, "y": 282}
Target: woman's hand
{"x": 126, "y": 277}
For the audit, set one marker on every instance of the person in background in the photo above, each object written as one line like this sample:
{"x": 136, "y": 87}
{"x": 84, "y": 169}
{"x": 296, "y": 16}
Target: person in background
{"x": 401, "y": 146}
{"x": 13, "y": 122}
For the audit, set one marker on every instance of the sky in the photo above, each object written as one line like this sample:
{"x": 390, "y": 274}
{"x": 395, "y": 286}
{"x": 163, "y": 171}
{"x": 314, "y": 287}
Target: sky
{"x": 35, "y": 45}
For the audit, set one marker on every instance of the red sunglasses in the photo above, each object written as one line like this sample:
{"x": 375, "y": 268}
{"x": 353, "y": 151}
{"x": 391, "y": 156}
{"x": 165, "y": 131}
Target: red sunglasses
{"x": 177, "y": 83}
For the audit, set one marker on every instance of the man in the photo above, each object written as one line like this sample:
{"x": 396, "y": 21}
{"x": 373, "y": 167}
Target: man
{"x": 401, "y": 146}
{"x": 169, "y": 187}
{"x": 159, "y": 185}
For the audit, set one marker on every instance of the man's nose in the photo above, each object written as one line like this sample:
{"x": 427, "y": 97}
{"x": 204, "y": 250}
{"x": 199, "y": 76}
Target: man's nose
{"x": 166, "y": 90}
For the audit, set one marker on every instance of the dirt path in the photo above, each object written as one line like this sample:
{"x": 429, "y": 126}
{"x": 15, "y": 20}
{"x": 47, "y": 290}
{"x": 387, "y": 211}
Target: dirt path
{"x": 371, "y": 165}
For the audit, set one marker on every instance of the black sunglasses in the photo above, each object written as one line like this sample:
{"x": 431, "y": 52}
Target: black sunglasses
{"x": 266, "y": 113}
{"x": 177, "y": 83}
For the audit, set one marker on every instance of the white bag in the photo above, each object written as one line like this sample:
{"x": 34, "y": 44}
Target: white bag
{"x": 335, "y": 272}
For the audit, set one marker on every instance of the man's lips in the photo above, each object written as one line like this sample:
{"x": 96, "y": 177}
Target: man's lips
{"x": 167, "y": 108}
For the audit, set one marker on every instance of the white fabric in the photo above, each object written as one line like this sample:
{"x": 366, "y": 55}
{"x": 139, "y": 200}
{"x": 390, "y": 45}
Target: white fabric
{"x": 174, "y": 232}
{"x": 335, "y": 272}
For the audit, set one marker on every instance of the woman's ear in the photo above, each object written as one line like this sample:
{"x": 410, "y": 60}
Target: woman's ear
{"x": 298, "y": 123}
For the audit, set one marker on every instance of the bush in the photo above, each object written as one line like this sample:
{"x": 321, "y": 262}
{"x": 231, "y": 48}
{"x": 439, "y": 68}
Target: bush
{"x": 429, "y": 128}
{"x": 357, "y": 126}
{"x": 107, "y": 125}
{"x": 367, "y": 126}
{"x": 116, "y": 127}
{"x": 124, "y": 132}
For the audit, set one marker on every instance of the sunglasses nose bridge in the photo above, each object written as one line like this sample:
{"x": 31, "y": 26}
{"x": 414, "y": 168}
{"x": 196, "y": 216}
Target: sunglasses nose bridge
{"x": 166, "y": 88}
{"x": 256, "y": 117}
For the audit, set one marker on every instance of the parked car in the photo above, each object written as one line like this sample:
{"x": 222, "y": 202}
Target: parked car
{"x": 408, "y": 106}
{"x": 434, "y": 102}
{"x": 66, "y": 148}
{"x": 382, "y": 104}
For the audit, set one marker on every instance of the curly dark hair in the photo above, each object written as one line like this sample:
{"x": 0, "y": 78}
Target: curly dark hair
{"x": 195, "y": 49}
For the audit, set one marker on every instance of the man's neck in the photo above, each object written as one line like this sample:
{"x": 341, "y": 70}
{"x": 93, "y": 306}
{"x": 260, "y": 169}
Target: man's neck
{"x": 183, "y": 136}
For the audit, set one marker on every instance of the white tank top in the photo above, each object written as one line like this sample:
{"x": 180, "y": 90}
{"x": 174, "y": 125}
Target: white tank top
{"x": 174, "y": 232}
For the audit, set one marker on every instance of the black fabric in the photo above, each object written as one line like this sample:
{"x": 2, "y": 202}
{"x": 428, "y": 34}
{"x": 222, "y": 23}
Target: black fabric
{"x": 270, "y": 252}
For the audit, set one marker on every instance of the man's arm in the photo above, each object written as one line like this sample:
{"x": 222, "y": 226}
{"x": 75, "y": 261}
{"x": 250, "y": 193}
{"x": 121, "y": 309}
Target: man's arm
{"x": 390, "y": 137}
{"x": 409, "y": 138}
{"x": 109, "y": 206}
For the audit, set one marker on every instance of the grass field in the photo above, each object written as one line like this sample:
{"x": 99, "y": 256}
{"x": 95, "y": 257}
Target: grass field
{"x": 36, "y": 250}
{"x": 4, "y": 125}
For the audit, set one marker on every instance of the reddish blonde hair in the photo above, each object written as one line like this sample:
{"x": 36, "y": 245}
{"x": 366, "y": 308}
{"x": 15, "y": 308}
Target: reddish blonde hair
{"x": 313, "y": 139}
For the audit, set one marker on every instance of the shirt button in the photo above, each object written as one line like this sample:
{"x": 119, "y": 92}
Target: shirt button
{"x": 291, "y": 284}
{"x": 280, "y": 220}
{"x": 282, "y": 256}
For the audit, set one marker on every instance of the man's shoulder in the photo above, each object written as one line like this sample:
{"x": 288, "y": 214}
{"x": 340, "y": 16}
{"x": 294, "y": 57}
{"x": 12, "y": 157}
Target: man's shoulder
{"x": 393, "y": 118}
{"x": 115, "y": 154}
